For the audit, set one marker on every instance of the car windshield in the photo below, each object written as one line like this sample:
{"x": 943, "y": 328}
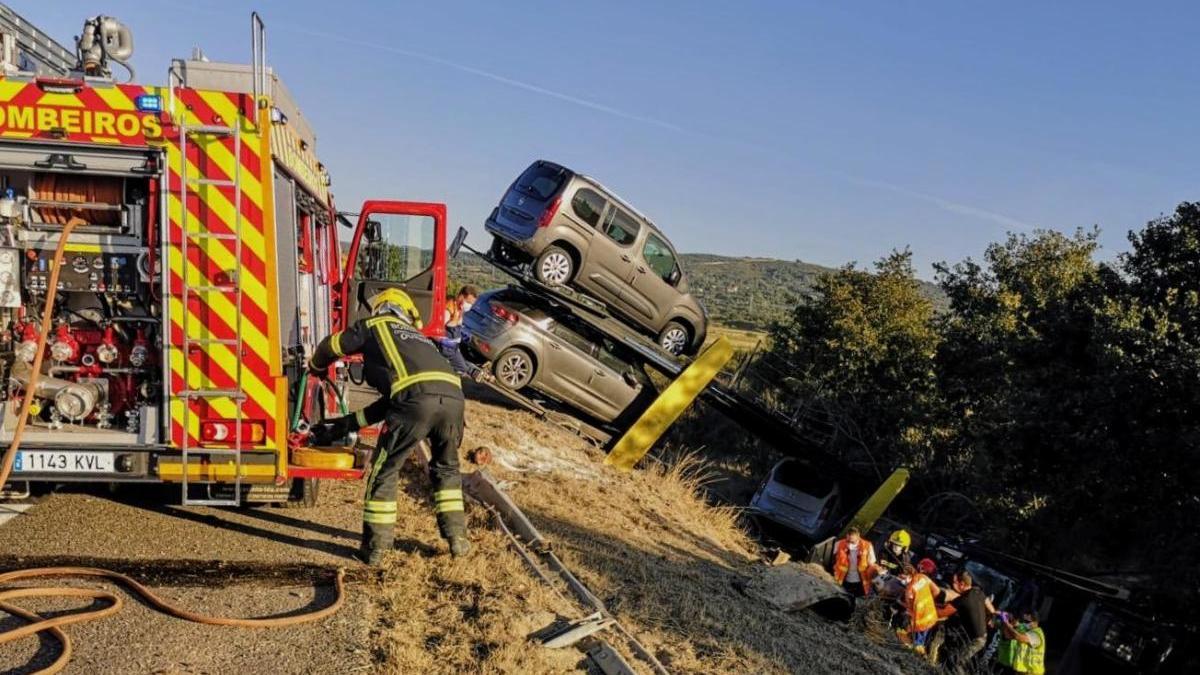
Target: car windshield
{"x": 542, "y": 180}
{"x": 803, "y": 478}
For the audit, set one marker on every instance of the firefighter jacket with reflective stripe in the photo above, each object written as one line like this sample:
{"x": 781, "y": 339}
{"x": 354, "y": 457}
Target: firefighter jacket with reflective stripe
{"x": 841, "y": 562}
{"x": 918, "y": 599}
{"x": 397, "y": 359}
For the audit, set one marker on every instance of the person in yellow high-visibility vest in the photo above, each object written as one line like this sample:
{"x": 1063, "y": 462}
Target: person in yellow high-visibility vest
{"x": 1027, "y": 647}
{"x": 421, "y": 399}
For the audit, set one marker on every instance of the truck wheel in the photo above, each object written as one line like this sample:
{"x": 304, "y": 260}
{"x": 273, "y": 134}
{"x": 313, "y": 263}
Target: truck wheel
{"x": 304, "y": 494}
{"x": 554, "y": 267}
{"x": 514, "y": 368}
{"x": 674, "y": 338}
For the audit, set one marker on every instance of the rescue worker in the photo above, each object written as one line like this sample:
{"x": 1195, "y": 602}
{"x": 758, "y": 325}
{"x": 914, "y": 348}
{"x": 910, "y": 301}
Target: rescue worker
{"x": 451, "y": 344}
{"x": 421, "y": 399}
{"x": 966, "y": 629}
{"x": 919, "y": 605}
{"x": 1026, "y": 647}
{"x": 896, "y": 553}
{"x": 853, "y": 563}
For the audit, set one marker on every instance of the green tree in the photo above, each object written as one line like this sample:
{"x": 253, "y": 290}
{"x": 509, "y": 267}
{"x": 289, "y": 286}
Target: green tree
{"x": 861, "y": 349}
{"x": 1019, "y": 372}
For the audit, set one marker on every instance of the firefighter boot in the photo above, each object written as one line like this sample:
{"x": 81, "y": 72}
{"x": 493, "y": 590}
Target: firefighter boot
{"x": 372, "y": 557}
{"x": 459, "y": 546}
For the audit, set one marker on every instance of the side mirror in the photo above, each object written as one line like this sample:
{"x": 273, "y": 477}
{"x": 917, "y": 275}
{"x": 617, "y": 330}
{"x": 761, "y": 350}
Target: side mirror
{"x": 373, "y": 232}
{"x": 630, "y": 379}
{"x": 675, "y": 276}
{"x": 460, "y": 238}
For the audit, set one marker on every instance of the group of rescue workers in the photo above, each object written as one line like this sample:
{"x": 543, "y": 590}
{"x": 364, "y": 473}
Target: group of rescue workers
{"x": 421, "y": 398}
{"x": 948, "y": 624}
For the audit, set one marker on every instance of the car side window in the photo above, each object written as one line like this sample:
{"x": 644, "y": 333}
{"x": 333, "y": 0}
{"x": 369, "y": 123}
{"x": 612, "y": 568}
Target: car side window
{"x": 572, "y": 338}
{"x": 588, "y": 205}
{"x": 609, "y": 358}
{"x": 660, "y": 258}
{"x": 621, "y": 227}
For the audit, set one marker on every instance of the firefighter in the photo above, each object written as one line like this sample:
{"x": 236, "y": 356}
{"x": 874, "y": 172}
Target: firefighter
{"x": 853, "y": 562}
{"x": 896, "y": 552}
{"x": 421, "y": 399}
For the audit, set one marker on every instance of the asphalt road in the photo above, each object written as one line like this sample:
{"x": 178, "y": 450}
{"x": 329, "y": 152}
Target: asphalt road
{"x": 243, "y": 562}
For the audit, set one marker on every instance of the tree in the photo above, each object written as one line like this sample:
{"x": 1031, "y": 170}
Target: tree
{"x": 861, "y": 348}
{"x": 1019, "y": 372}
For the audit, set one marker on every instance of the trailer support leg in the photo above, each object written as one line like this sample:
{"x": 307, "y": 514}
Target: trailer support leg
{"x": 669, "y": 405}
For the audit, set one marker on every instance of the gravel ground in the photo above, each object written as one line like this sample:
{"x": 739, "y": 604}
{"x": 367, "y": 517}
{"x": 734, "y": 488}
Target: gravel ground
{"x": 132, "y": 527}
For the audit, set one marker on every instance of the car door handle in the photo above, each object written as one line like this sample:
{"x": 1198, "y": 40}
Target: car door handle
{"x": 641, "y": 270}
{"x": 599, "y": 372}
{"x": 626, "y": 258}
{"x": 554, "y": 345}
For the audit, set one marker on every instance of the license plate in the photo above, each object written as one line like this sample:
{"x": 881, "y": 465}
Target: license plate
{"x": 63, "y": 462}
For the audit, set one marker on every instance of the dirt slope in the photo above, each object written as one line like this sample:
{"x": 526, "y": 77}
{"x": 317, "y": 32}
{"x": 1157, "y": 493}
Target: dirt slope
{"x": 666, "y": 564}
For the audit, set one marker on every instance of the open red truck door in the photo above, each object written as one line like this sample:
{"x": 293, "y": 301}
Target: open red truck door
{"x": 397, "y": 245}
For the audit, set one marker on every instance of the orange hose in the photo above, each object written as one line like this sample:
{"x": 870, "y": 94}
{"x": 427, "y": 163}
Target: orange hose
{"x": 38, "y": 624}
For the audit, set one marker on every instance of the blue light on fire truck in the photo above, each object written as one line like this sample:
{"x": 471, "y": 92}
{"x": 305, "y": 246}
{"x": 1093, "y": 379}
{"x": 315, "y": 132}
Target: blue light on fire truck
{"x": 151, "y": 103}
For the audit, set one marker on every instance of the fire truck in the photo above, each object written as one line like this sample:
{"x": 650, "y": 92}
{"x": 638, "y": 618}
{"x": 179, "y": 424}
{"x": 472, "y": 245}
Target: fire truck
{"x": 205, "y": 262}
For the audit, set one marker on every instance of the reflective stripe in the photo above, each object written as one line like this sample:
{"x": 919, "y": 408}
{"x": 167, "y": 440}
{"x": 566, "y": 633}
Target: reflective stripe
{"x": 405, "y": 382}
{"x": 446, "y": 501}
{"x": 379, "y": 518}
{"x": 335, "y": 342}
{"x": 380, "y": 455}
{"x": 384, "y": 336}
{"x": 380, "y": 506}
{"x": 361, "y": 418}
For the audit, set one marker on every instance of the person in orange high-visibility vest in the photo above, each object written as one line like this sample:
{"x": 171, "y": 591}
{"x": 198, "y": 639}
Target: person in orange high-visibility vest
{"x": 854, "y": 563}
{"x": 918, "y": 601}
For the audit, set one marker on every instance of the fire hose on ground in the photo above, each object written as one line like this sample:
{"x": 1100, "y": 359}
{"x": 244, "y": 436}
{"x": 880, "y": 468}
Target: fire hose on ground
{"x": 38, "y": 624}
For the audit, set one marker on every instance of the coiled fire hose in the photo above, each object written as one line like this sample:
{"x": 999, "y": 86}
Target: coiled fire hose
{"x": 38, "y": 624}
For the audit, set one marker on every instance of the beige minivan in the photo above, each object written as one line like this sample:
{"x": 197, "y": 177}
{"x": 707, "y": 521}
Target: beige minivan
{"x": 572, "y": 230}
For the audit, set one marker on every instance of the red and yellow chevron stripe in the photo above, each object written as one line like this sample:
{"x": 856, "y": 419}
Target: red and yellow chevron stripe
{"x": 213, "y": 314}
{"x": 106, "y": 115}
{"x": 109, "y": 116}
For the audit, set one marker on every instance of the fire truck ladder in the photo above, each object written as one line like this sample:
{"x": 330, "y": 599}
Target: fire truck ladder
{"x": 49, "y": 56}
{"x": 188, "y": 186}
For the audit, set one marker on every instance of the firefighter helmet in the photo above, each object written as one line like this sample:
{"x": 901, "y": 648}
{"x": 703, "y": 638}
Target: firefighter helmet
{"x": 396, "y": 302}
{"x": 901, "y": 537}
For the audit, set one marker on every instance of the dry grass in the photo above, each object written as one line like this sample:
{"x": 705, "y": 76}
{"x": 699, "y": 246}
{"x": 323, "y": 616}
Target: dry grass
{"x": 665, "y": 562}
{"x": 668, "y": 565}
{"x": 742, "y": 340}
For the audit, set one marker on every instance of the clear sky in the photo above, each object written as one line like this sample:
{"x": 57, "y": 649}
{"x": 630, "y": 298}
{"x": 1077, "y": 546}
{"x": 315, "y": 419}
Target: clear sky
{"x": 823, "y": 131}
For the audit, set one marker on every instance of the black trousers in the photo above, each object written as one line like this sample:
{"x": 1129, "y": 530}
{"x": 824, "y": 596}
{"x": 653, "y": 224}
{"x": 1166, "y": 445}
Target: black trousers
{"x": 422, "y": 416}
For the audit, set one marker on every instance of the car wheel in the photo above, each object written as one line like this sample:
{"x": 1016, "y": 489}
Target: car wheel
{"x": 674, "y": 338}
{"x": 513, "y": 368}
{"x": 554, "y": 267}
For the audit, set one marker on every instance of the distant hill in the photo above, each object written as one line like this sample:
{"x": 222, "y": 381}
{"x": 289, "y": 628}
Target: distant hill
{"x": 738, "y": 292}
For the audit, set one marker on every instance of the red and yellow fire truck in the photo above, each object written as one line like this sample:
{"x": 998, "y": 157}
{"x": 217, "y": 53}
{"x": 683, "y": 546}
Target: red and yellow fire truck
{"x": 204, "y": 266}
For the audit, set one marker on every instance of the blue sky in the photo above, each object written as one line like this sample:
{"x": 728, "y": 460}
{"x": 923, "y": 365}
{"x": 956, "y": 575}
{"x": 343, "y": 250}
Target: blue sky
{"x": 820, "y": 131}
